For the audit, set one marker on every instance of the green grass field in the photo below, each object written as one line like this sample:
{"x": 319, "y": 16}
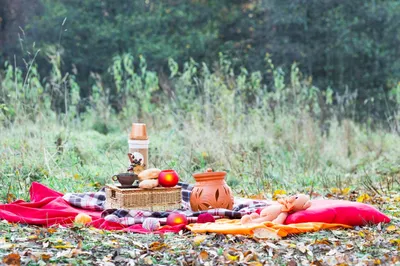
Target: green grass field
{"x": 284, "y": 139}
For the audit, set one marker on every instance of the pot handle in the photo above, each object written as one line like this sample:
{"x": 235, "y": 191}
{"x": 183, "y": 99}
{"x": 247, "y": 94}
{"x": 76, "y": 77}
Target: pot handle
{"x": 114, "y": 179}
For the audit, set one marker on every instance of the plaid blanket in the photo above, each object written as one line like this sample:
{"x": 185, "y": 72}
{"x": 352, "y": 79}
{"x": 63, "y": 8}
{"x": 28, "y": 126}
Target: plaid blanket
{"x": 96, "y": 201}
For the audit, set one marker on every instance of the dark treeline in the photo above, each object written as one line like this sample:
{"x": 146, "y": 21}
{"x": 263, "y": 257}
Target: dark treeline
{"x": 343, "y": 45}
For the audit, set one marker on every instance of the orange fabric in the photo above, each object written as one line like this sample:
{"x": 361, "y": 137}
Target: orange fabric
{"x": 226, "y": 226}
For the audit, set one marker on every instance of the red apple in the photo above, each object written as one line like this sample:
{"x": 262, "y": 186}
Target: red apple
{"x": 176, "y": 218}
{"x": 168, "y": 178}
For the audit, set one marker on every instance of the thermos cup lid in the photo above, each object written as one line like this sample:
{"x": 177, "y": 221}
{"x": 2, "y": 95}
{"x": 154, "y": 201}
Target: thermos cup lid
{"x": 138, "y": 132}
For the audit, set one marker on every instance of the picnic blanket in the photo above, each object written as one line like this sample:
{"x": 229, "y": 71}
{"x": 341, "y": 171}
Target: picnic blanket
{"x": 49, "y": 207}
{"x": 96, "y": 201}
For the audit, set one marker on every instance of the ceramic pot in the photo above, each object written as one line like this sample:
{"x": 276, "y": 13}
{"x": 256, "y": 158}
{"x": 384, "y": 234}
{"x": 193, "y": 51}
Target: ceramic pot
{"x": 210, "y": 192}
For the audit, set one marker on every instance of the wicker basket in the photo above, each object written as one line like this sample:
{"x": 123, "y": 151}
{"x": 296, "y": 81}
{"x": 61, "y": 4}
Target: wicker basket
{"x": 155, "y": 199}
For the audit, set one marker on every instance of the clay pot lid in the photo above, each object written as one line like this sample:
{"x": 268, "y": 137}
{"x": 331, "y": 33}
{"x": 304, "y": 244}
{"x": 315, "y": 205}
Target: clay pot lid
{"x": 138, "y": 132}
{"x": 209, "y": 173}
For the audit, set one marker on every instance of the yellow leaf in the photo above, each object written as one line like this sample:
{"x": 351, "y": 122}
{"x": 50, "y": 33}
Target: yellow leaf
{"x": 76, "y": 176}
{"x": 230, "y": 257}
{"x": 199, "y": 239}
{"x": 363, "y": 198}
{"x": 335, "y": 190}
{"x": 391, "y": 228}
{"x": 63, "y": 246}
{"x": 395, "y": 241}
{"x": 346, "y": 191}
{"x": 277, "y": 193}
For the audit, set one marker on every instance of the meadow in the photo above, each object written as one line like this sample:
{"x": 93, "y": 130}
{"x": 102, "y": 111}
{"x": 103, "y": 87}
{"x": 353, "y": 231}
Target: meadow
{"x": 276, "y": 136}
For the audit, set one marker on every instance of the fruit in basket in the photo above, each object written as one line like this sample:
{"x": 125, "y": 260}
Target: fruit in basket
{"x": 168, "y": 178}
{"x": 176, "y": 218}
{"x": 82, "y": 218}
{"x": 151, "y": 183}
{"x": 151, "y": 173}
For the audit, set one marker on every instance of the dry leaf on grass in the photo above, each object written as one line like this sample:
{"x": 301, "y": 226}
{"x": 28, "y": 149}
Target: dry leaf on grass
{"x": 266, "y": 233}
{"x": 12, "y": 259}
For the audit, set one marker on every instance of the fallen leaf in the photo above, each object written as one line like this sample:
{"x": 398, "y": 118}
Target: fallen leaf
{"x": 335, "y": 190}
{"x": 259, "y": 196}
{"x": 63, "y": 246}
{"x": 254, "y": 263}
{"x": 277, "y": 193}
{"x": 230, "y": 257}
{"x": 346, "y": 191}
{"x": 301, "y": 247}
{"x": 363, "y": 198}
{"x": 7, "y": 246}
{"x": 155, "y": 246}
{"x": 197, "y": 240}
{"x": 45, "y": 257}
{"x": 331, "y": 252}
{"x": 148, "y": 260}
{"x": 12, "y": 259}
{"x": 33, "y": 237}
{"x": 51, "y": 230}
{"x": 391, "y": 228}
{"x": 203, "y": 255}
{"x": 266, "y": 233}
{"x": 11, "y": 197}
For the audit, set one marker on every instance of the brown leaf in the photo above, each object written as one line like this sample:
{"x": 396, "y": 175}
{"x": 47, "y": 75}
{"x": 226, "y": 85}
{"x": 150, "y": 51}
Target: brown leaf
{"x": 12, "y": 259}
{"x": 255, "y": 263}
{"x": 45, "y": 257}
{"x": 203, "y": 255}
{"x": 259, "y": 196}
{"x": 266, "y": 233}
{"x": 155, "y": 246}
{"x": 52, "y": 230}
{"x": 11, "y": 197}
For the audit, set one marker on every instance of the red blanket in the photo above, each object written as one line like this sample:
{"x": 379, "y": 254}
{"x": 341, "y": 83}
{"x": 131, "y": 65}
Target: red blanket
{"x": 47, "y": 207}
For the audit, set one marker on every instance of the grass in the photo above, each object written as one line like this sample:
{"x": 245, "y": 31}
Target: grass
{"x": 267, "y": 140}
{"x": 259, "y": 156}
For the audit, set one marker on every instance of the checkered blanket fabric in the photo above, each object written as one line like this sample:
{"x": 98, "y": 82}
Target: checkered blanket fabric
{"x": 96, "y": 201}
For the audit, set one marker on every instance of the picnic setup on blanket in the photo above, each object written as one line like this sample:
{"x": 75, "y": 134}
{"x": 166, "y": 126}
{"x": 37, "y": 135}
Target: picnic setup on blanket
{"x": 156, "y": 201}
